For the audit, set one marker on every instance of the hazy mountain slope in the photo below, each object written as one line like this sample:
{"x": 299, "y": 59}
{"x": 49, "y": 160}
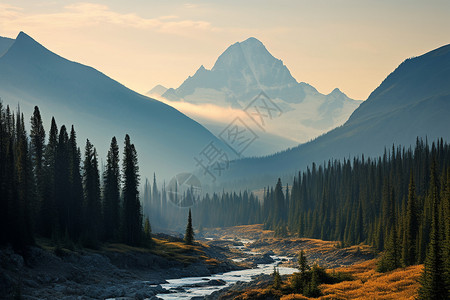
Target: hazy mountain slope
{"x": 99, "y": 107}
{"x": 412, "y": 101}
{"x": 157, "y": 90}
{"x": 5, "y": 43}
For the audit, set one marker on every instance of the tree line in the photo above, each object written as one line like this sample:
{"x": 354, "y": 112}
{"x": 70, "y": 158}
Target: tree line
{"x": 242, "y": 208}
{"x": 398, "y": 203}
{"x": 52, "y": 189}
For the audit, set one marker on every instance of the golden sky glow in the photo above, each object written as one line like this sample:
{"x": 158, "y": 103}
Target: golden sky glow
{"x": 350, "y": 44}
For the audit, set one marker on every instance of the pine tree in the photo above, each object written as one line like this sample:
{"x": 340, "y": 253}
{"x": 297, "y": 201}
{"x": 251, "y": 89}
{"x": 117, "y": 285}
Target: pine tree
{"x": 62, "y": 181}
{"x": 111, "y": 193}
{"x": 279, "y": 204}
{"x": 276, "y": 279}
{"x": 21, "y": 227}
{"x": 433, "y": 281}
{"x": 147, "y": 231}
{"x": 92, "y": 207}
{"x": 411, "y": 226}
{"x": 132, "y": 215}
{"x": 76, "y": 196}
{"x": 391, "y": 258}
{"x": 302, "y": 262}
{"x": 312, "y": 289}
{"x": 4, "y": 141}
{"x": 47, "y": 214}
{"x": 37, "y": 135}
{"x": 189, "y": 235}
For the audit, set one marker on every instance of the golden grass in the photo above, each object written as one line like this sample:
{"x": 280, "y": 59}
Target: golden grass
{"x": 402, "y": 283}
{"x": 254, "y": 231}
{"x": 178, "y": 251}
{"x": 366, "y": 283}
{"x": 258, "y": 294}
{"x": 293, "y": 297}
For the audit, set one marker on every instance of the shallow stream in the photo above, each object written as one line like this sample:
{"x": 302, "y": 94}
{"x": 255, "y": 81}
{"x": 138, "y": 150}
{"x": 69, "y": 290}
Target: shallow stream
{"x": 185, "y": 288}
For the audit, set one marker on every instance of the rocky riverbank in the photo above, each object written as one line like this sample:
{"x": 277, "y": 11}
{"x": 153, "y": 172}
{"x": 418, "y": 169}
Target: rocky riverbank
{"x": 111, "y": 272}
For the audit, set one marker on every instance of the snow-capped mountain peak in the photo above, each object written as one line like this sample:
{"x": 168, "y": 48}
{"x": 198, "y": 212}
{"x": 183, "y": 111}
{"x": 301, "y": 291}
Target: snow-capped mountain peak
{"x": 247, "y": 68}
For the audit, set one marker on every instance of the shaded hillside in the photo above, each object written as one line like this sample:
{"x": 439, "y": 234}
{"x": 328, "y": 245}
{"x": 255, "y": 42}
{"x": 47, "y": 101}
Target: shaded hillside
{"x": 99, "y": 107}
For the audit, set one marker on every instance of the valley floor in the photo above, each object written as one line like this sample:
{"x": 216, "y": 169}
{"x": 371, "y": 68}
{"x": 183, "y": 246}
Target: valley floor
{"x": 365, "y": 283}
{"x": 114, "y": 270}
{"x": 120, "y": 271}
{"x": 357, "y": 264}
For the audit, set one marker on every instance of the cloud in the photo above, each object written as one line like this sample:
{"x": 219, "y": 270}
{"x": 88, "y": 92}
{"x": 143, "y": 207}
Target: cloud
{"x": 84, "y": 14}
{"x": 205, "y": 112}
{"x": 9, "y": 11}
{"x": 191, "y": 5}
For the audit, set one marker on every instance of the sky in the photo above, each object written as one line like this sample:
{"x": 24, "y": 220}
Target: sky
{"x": 349, "y": 44}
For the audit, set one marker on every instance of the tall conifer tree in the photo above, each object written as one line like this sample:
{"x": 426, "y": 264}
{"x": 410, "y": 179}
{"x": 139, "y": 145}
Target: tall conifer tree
{"x": 433, "y": 277}
{"x": 111, "y": 193}
{"x": 37, "y": 135}
{"x": 47, "y": 215}
{"x": 132, "y": 215}
{"x": 189, "y": 235}
{"x": 76, "y": 196}
{"x": 92, "y": 207}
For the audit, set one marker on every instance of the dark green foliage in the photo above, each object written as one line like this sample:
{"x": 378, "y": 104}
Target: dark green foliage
{"x": 16, "y": 182}
{"x": 302, "y": 262}
{"x": 20, "y": 220}
{"x": 111, "y": 193}
{"x": 147, "y": 232}
{"x": 276, "y": 279}
{"x": 37, "y": 148}
{"x": 301, "y": 280}
{"x": 307, "y": 281}
{"x": 434, "y": 283}
{"x": 132, "y": 215}
{"x": 62, "y": 181}
{"x": 189, "y": 235}
{"x": 312, "y": 288}
{"x": 92, "y": 207}
{"x": 75, "y": 196}
{"x": 47, "y": 214}
{"x": 43, "y": 191}
{"x": 411, "y": 226}
{"x": 384, "y": 202}
{"x": 391, "y": 258}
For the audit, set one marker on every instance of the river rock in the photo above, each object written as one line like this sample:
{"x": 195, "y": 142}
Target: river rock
{"x": 212, "y": 282}
{"x": 216, "y": 282}
{"x": 263, "y": 259}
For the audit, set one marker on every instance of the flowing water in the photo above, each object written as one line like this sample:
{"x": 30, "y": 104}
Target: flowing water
{"x": 182, "y": 288}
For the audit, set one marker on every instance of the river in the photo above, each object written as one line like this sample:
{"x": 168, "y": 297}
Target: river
{"x": 185, "y": 288}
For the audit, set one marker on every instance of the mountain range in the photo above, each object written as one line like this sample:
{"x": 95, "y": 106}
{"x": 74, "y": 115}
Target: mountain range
{"x": 99, "y": 107}
{"x": 241, "y": 73}
{"x": 413, "y": 101}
